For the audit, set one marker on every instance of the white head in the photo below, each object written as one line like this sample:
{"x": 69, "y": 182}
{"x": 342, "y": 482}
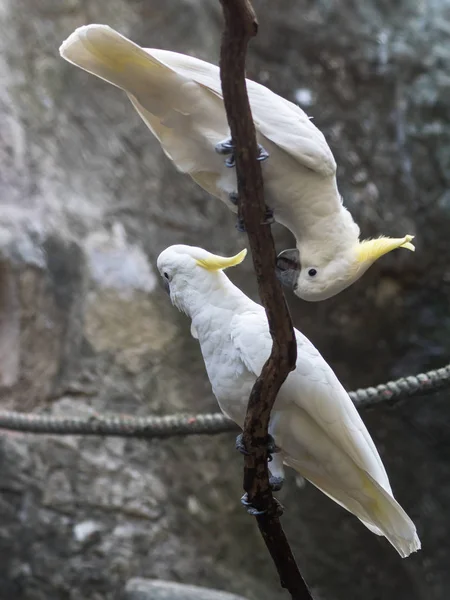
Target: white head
{"x": 314, "y": 276}
{"x": 190, "y": 272}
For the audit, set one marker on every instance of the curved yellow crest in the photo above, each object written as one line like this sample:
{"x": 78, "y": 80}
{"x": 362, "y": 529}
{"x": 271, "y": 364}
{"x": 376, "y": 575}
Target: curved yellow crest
{"x": 216, "y": 263}
{"x": 372, "y": 250}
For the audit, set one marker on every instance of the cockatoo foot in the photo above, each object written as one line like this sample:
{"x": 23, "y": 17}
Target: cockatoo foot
{"x": 268, "y": 219}
{"x": 252, "y": 510}
{"x": 227, "y": 148}
{"x": 271, "y": 447}
{"x": 262, "y": 153}
{"x": 240, "y": 225}
{"x": 234, "y": 198}
{"x": 276, "y": 483}
{"x": 240, "y": 445}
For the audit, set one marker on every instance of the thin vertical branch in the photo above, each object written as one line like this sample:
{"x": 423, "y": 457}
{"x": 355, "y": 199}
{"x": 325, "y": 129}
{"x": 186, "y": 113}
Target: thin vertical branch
{"x": 240, "y": 26}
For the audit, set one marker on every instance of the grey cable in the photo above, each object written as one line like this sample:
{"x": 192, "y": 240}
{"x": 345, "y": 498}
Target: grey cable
{"x": 204, "y": 424}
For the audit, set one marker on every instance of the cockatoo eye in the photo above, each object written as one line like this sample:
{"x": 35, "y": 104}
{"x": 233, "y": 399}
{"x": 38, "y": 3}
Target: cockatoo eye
{"x": 312, "y": 272}
{"x": 166, "y": 275}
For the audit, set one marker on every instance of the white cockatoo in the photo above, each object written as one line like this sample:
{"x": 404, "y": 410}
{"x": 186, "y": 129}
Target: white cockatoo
{"x": 315, "y": 425}
{"x": 180, "y": 99}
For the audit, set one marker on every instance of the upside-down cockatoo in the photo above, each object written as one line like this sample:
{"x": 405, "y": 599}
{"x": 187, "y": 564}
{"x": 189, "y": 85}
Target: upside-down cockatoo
{"x": 180, "y": 99}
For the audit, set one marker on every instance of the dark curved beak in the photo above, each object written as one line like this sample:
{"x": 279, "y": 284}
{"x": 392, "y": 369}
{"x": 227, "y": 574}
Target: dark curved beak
{"x": 166, "y": 285}
{"x": 288, "y": 267}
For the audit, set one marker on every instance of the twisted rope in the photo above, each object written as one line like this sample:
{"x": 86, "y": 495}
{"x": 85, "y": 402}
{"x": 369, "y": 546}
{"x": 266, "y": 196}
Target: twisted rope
{"x": 413, "y": 385}
{"x": 204, "y": 424}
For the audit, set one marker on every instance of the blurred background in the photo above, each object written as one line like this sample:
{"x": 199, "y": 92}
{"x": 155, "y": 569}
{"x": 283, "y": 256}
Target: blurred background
{"x": 88, "y": 200}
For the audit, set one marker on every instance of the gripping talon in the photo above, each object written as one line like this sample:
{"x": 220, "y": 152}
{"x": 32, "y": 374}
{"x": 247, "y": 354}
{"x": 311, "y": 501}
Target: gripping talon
{"x": 225, "y": 147}
{"x": 240, "y": 225}
{"x": 276, "y": 483}
{"x": 268, "y": 218}
{"x": 240, "y": 445}
{"x": 262, "y": 153}
{"x": 252, "y": 510}
{"x": 234, "y": 198}
{"x": 272, "y": 448}
{"x": 230, "y": 161}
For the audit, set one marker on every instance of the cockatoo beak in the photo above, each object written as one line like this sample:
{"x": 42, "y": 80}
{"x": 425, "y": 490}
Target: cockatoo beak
{"x": 166, "y": 285}
{"x": 288, "y": 267}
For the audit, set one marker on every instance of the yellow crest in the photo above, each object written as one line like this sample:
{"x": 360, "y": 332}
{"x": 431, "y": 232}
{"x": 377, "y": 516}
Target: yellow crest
{"x": 372, "y": 250}
{"x": 216, "y": 263}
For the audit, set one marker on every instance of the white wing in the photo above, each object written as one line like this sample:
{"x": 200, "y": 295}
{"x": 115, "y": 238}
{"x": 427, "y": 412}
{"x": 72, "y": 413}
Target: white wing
{"x": 180, "y": 99}
{"x": 281, "y": 121}
{"x": 186, "y": 118}
{"x": 314, "y": 388}
{"x": 323, "y": 437}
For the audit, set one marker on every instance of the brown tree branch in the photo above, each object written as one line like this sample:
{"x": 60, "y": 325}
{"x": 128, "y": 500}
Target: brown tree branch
{"x": 240, "y": 26}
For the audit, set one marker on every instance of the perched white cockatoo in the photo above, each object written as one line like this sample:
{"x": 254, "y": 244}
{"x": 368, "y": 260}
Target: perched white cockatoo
{"x": 180, "y": 99}
{"x": 314, "y": 423}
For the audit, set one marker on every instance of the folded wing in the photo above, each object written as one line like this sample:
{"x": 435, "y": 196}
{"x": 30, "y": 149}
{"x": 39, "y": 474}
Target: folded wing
{"x": 183, "y": 94}
{"x": 323, "y": 437}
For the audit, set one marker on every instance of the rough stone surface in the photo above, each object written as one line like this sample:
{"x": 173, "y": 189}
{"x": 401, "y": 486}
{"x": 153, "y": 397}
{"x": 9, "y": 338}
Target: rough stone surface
{"x": 88, "y": 200}
{"x": 145, "y": 589}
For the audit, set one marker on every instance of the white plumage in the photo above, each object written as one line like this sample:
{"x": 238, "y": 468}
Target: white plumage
{"x": 180, "y": 99}
{"x": 314, "y": 422}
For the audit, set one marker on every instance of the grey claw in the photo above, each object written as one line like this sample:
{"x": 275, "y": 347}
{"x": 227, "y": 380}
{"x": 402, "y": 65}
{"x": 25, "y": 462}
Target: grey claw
{"x": 230, "y": 162}
{"x": 240, "y": 444}
{"x": 240, "y": 226}
{"x": 262, "y": 153}
{"x": 276, "y": 483}
{"x": 268, "y": 218}
{"x": 252, "y": 510}
{"x": 234, "y": 198}
{"x": 272, "y": 448}
{"x": 225, "y": 147}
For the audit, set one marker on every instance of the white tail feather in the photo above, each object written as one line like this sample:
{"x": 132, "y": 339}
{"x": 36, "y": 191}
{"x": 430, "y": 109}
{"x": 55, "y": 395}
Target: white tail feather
{"x": 390, "y": 518}
{"x": 374, "y": 506}
{"x": 109, "y": 55}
